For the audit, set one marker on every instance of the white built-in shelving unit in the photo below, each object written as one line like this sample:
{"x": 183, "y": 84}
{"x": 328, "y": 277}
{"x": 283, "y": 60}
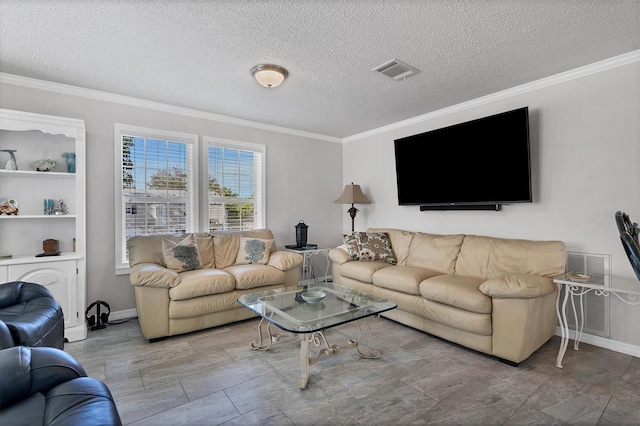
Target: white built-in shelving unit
{"x": 37, "y": 137}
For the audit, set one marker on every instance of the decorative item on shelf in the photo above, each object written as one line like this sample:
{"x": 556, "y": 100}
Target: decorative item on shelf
{"x": 70, "y": 158}
{"x": 8, "y": 206}
{"x": 49, "y": 248}
{"x": 61, "y": 208}
{"x": 352, "y": 194}
{"x": 301, "y": 234}
{"x": 49, "y": 206}
{"x": 44, "y": 165}
{"x": 12, "y": 164}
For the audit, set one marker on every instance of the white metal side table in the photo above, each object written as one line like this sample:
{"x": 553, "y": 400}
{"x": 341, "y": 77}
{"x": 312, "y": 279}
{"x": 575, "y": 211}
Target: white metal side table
{"x": 579, "y": 288}
{"x": 307, "y": 265}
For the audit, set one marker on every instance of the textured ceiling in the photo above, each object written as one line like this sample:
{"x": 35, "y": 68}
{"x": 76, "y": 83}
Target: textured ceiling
{"x": 198, "y": 54}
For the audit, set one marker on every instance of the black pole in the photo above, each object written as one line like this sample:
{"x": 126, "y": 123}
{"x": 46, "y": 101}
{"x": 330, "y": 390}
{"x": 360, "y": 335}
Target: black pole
{"x": 352, "y": 212}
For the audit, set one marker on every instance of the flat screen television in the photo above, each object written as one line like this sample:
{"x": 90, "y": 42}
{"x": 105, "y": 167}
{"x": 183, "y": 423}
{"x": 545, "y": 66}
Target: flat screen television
{"x": 479, "y": 164}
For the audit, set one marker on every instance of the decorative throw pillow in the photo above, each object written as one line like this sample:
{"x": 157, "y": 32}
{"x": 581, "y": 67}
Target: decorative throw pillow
{"x": 254, "y": 251}
{"x": 181, "y": 255}
{"x": 376, "y": 247}
{"x": 352, "y": 246}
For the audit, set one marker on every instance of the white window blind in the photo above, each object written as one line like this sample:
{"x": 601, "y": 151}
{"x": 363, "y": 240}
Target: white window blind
{"x": 157, "y": 179}
{"x": 159, "y": 186}
{"x": 235, "y": 185}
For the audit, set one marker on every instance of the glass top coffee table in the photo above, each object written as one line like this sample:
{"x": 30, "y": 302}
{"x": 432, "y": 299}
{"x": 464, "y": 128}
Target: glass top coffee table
{"x": 309, "y": 310}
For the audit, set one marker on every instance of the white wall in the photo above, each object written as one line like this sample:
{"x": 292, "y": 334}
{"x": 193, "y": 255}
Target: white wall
{"x": 585, "y": 147}
{"x": 304, "y": 176}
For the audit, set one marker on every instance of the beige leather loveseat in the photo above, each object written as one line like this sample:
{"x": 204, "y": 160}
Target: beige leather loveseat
{"x": 489, "y": 294}
{"x": 192, "y": 282}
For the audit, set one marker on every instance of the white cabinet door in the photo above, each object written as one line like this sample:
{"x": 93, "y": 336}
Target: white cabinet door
{"x": 59, "y": 278}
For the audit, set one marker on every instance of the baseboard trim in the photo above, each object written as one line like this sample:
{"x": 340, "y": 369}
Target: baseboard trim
{"x": 125, "y": 314}
{"x": 602, "y": 342}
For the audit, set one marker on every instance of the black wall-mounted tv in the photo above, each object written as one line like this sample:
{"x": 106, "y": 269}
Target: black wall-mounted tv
{"x": 479, "y": 164}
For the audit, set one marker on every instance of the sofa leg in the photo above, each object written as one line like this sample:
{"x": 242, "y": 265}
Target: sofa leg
{"x": 157, "y": 339}
{"x": 506, "y": 361}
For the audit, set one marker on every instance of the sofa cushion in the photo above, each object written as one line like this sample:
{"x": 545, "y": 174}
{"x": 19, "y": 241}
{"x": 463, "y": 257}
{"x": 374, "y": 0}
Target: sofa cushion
{"x": 457, "y": 291}
{"x": 453, "y": 317}
{"x": 202, "y": 282}
{"x": 400, "y": 242}
{"x": 406, "y": 279}
{"x": 181, "y": 254}
{"x": 148, "y": 248}
{"x": 252, "y": 276}
{"x": 253, "y": 250}
{"x": 362, "y": 271}
{"x": 205, "y": 249}
{"x": 227, "y": 244}
{"x": 488, "y": 257}
{"x": 193, "y": 308}
{"x": 436, "y": 252}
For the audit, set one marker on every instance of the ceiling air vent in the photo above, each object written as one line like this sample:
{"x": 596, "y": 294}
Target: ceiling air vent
{"x": 396, "y": 69}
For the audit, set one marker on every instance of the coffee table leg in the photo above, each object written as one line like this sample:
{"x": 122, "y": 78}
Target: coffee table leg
{"x": 304, "y": 359}
{"x": 367, "y": 352}
{"x": 264, "y": 327}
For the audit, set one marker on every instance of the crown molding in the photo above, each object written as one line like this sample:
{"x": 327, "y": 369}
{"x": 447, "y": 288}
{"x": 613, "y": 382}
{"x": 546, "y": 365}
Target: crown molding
{"x": 616, "y": 61}
{"x": 67, "y": 89}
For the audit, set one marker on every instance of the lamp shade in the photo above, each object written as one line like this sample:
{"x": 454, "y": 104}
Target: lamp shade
{"x": 269, "y": 75}
{"x": 352, "y": 194}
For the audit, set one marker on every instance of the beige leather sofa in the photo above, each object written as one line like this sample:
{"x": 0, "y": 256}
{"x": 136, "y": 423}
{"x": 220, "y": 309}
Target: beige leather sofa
{"x": 489, "y": 294}
{"x": 171, "y": 302}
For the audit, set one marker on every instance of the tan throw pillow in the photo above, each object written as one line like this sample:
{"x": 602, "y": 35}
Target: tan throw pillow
{"x": 254, "y": 251}
{"x": 376, "y": 247}
{"x": 181, "y": 255}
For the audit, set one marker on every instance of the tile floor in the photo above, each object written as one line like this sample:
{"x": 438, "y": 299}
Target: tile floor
{"x": 212, "y": 377}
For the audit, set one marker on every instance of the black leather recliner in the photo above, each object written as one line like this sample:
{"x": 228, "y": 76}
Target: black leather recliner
{"x": 47, "y": 386}
{"x": 33, "y": 316}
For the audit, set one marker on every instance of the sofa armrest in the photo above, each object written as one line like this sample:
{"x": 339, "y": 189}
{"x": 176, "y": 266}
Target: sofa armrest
{"x": 517, "y": 286}
{"x": 153, "y": 275}
{"x": 284, "y": 260}
{"x": 25, "y": 371}
{"x": 339, "y": 255}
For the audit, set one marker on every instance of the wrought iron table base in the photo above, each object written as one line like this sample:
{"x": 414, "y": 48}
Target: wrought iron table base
{"x": 318, "y": 340}
{"x": 629, "y": 297}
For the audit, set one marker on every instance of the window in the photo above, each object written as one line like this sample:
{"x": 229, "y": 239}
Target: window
{"x": 235, "y": 185}
{"x": 157, "y": 185}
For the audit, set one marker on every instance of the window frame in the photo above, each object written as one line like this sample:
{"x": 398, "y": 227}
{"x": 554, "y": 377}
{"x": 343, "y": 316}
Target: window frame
{"x": 120, "y": 214}
{"x": 200, "y": 180}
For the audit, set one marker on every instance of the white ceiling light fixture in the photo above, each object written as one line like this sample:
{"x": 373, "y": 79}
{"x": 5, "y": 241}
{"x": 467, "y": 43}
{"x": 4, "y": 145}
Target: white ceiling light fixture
{"x": 269, "y": 75}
